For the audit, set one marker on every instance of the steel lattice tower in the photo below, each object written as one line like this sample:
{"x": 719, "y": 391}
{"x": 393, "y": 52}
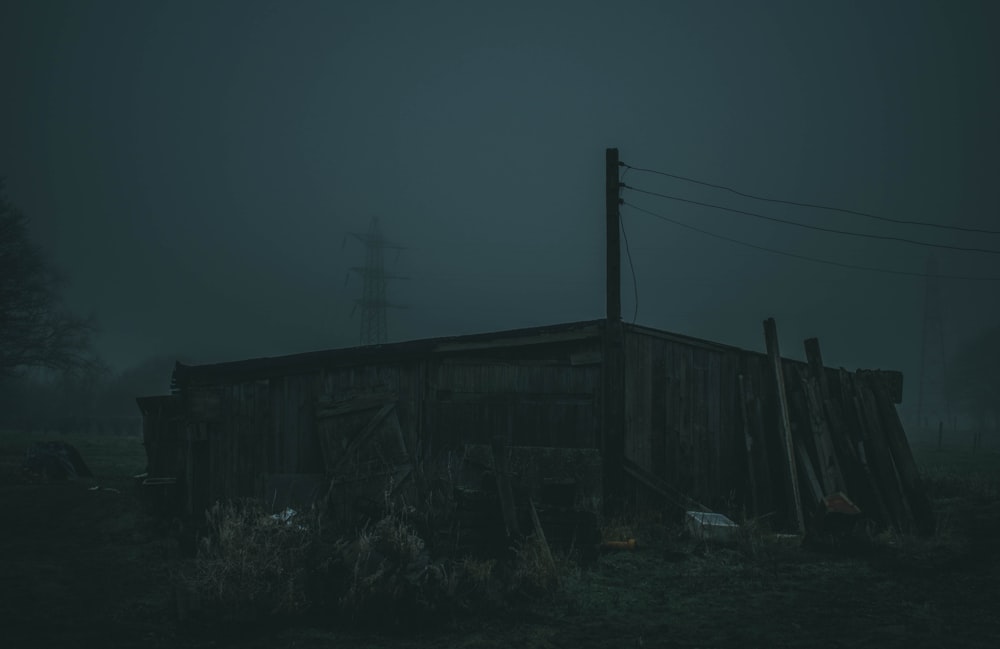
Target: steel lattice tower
{"x": 374, "y": 301}
{"x": 932, "y": 401}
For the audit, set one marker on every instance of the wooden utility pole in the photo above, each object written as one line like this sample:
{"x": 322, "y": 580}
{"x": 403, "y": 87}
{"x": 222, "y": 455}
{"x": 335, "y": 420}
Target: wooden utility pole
{"x": 613, "y": 379}
{"x": 774, "y": 353}
{"x": 612, "y": 237}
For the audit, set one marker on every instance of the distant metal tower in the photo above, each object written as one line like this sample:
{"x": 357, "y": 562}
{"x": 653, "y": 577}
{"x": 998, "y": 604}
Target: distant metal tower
{"x": 933, "y": 411}
{"x": 373, "y": 302}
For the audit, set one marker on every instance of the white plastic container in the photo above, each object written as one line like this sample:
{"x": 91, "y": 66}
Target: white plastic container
{"x": 707, "y": 526}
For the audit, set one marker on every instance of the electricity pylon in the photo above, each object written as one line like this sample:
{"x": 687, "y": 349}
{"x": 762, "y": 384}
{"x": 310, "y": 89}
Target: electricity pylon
{"x": 373, "y": 301}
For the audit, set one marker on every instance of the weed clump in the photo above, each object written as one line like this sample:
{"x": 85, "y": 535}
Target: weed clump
{"x": 386, "y": 574}
{"x": 250, "y": 566}
{"x": 253, "y": 567}
{"x": 533, "y": 572}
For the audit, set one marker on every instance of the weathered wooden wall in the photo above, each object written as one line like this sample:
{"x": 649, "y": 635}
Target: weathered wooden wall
{"x": 162, "y": 435}
{"x": 533, "y": 402}
{"x": 247, "y": 430}
{"x": 700, "y": 419}
{"x": 702, "y": 422}
{"x": 683, "y": 422}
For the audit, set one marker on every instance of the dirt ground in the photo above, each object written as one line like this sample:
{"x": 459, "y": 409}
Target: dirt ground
{"x": 82, "y": 565}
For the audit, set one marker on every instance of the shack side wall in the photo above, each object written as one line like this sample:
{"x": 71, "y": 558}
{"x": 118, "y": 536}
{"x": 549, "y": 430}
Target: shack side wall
{"x": 693, "y": 425}
{"x": 689, "y": 425}
{"x": 542, "y": 395}
{"x": 690, "y": 422}
{"x": 680, "y": 423}
{"x": 162, "y": 435}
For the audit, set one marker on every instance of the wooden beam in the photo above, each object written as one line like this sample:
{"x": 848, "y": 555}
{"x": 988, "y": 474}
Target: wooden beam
{"x": 815, "y": 489}
{"x": 672, "y": 495}
{"x": 362, "y": 437}
{"x": 828, "y": 468}
{"x": 902, "y": 457}
{"x": 815, "y": 360}
{"x": 784, "y": 424}
{"x": 879, "y": 460}
{"x": 817, "y": 391}
{"x": 540, "y": 535}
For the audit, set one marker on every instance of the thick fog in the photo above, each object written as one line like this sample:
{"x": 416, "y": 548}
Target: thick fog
{"x": 196, "y": 169}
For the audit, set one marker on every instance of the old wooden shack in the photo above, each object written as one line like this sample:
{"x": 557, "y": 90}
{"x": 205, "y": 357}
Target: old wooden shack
{"x": 673, "y": 417}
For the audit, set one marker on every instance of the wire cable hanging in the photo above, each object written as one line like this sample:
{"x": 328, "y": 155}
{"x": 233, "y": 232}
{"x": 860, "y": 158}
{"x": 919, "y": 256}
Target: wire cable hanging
{"x": 817, "y": 206}
{"x": 988, "y": 251}
{"x": 807, "y": 257}
{"x": 628, "y": 249}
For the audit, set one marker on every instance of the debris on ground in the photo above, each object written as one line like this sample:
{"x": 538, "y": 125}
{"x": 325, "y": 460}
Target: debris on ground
{"x": 55, "y": 461}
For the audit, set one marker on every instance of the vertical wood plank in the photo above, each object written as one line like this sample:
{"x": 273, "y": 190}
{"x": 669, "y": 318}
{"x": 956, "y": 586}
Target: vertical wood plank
{"x": 785, "y": 427}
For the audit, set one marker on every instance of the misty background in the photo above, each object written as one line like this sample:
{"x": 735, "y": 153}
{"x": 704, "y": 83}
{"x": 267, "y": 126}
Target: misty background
{"x": 195, "y": 169}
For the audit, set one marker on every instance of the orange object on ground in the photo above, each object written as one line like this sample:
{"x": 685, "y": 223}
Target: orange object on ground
{"x": 618, "y": 545}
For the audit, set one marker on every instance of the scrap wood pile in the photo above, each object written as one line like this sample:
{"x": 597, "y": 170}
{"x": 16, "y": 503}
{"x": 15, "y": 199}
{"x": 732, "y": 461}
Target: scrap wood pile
{"x": 846, "y": 442}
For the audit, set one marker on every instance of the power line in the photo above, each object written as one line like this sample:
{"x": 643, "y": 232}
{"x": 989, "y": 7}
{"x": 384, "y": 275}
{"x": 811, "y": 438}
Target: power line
{"x": 817, "y": 206}
{"x": 848, "y": 233}
{"x": 806, "y": 257}
{"x": 628, "y": 249}
{"x": 628, "y": 254}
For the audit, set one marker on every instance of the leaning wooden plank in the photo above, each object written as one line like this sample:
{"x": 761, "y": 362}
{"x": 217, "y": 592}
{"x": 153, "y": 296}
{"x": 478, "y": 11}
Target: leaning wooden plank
{"x": 879, "y": 460}
{"x": 888, "y": 515}
{"x": 817, "y": 391}
{"x": 785, "y": 426}
{"x": 362, "y": 437}
{"x": 816, "y": 369}
{"x": 673, "y": 496}
{"x": 540, "y": 537}
{"x": 826, "y": 455}
{"x": 909, "y": 474}
{"x": 815, "y": 489}
{"x": 856, "y": 476}
{"x": 850, "y": 421}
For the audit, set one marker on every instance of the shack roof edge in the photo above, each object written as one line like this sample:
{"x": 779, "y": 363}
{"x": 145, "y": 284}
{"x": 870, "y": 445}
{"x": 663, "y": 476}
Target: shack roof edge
{"x": 545, "y": 334}
{"x": 510, "y": 338}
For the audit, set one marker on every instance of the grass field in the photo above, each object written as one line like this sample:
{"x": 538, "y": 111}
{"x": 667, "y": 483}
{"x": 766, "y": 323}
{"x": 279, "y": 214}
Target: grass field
{"x": 960, "y": 471}
{"x": 82, "y": 565}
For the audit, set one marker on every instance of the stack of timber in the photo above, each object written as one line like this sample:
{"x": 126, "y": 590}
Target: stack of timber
{"x": 841, "y": 450}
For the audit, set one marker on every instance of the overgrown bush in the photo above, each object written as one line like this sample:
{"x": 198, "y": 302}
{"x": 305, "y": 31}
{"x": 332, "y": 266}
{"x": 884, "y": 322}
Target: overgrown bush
{"x": 254, "y": 567}
{"x": 387, "y": 574}
{"x": 533, "y": 572}
{"x": 251, "y": 565}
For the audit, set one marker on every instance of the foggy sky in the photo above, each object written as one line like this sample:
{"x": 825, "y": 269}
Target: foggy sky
{"x": 195, "y": 167}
